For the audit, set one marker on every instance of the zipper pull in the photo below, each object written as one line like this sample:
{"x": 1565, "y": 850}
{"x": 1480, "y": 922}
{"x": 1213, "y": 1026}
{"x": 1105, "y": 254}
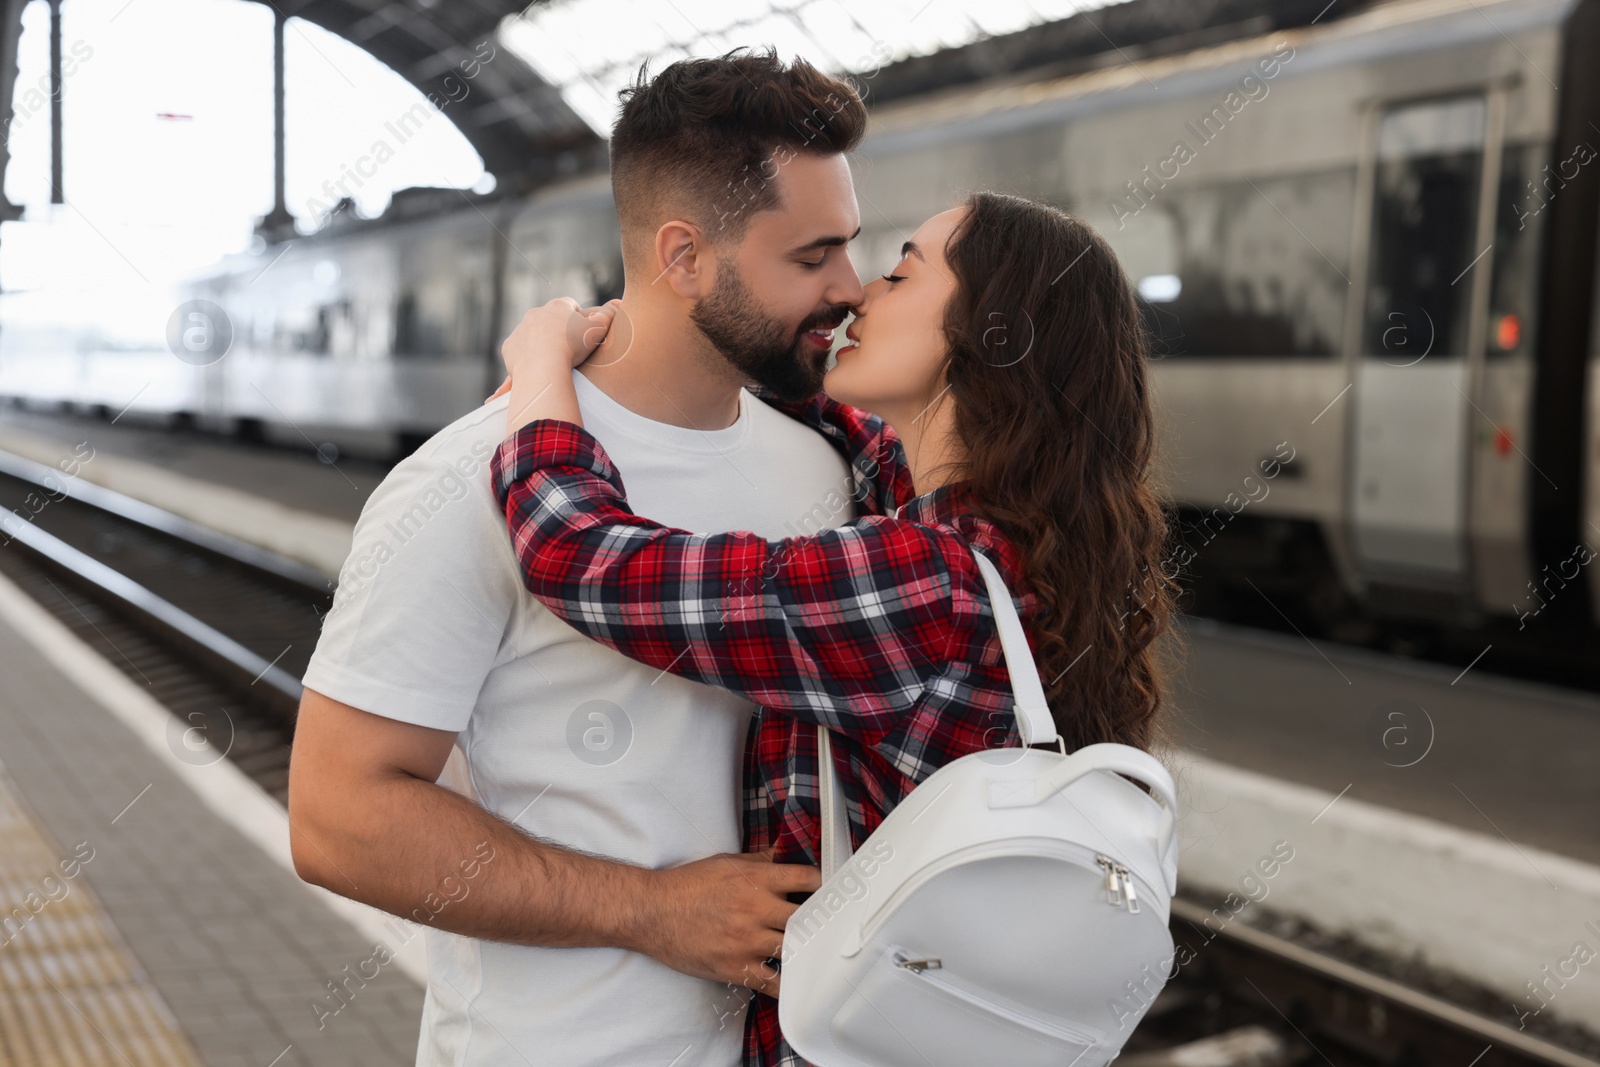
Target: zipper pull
{"x": 933, "y": 963}
{"x": 1113, "y": 893}
{"x": 1127, "y": 881}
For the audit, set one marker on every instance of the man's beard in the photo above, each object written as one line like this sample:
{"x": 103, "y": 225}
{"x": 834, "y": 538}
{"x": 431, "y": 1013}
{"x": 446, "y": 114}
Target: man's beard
{"x": 763, "y": 348}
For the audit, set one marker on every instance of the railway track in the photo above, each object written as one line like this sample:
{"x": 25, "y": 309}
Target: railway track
{"x": 221, "y": 631}
{"x": 1263, "y": 1000}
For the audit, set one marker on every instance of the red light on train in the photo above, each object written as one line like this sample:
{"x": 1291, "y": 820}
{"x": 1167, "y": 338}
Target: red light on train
{"x": 1508, "y": 332}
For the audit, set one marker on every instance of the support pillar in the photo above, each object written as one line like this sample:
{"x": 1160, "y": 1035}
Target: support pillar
{"x": 10, "y": 34}
{"x": 57, "y": 195}
{"x": 277, "y": 223}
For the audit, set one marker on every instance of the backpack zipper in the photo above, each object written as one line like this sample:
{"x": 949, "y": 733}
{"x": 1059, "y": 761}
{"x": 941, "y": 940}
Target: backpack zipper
{"x": 922, "y": 969}
{"x": 1119, "y": 884}
{"x": 1127, "y": 885}
{"x": 1119, "y": 879}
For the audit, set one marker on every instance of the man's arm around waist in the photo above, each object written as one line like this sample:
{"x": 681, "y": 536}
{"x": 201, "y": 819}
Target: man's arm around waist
{"x": 368, "y": 821}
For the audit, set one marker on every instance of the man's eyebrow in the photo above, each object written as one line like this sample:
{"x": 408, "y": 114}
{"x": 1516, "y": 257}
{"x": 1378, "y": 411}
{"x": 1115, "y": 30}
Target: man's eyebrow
{"x": 826, "y": 242}
{"x": 910, "y": 248}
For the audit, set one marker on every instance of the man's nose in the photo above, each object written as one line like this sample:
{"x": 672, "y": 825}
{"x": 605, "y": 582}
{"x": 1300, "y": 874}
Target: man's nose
{"x": 846, "y": 287}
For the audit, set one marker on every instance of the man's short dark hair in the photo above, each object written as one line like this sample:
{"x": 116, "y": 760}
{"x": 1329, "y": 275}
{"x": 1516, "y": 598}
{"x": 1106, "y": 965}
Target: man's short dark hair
{"x": 705, "y": 138}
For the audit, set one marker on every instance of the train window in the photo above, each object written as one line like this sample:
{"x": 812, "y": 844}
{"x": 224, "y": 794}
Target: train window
{"x": 317, "y": 341}
{"x": 1424, "y": 222}
{"x": 328, "y": 332}
{"x": 263, "y": 328}
{"x": 340, "y": 330}
{"x": 472, "y": 320}
{"x": 405, "y": 325}
{"x": 417, "y": 333}
{"x": 1252, "y": 269}
{"x": 300, "y": 328}
{"x": 1518, "y": 235}
{"x": 608, "y": 281}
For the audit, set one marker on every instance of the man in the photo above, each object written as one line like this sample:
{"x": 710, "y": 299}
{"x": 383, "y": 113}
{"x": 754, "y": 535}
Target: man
{"x": 583, "y": 904}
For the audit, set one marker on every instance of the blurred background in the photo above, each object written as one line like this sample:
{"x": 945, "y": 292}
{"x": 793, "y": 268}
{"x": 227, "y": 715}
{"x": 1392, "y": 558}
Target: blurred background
{"x": 254, "y": 253}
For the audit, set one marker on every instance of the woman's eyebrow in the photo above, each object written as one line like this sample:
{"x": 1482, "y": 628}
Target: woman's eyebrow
{"x": 910, "y": 248}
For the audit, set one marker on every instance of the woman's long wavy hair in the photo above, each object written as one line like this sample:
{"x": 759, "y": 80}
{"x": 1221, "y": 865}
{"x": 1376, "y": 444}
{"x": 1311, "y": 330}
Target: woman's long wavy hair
{"x": 1048, "y": 368}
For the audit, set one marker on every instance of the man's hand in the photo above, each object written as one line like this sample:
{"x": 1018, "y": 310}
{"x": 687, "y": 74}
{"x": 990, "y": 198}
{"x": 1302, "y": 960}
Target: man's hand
{"x": 367, "y": 821}
{"x": 722, "y": 917}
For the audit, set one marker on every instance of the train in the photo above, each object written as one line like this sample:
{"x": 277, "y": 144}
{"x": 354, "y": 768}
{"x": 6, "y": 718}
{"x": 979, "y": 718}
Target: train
{"x": 1365, "y": 246}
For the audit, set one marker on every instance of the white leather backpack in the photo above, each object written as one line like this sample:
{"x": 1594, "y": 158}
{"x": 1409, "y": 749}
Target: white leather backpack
{"x": 1011, "y": 910}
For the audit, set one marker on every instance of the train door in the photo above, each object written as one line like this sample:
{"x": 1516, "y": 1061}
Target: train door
{"x": 1420, "y": 293}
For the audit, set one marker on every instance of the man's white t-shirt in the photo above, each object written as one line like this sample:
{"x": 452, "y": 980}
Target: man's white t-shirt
{"x": 571, "y": 741}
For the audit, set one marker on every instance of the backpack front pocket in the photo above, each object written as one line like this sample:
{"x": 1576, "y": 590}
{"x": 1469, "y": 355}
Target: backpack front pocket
{"x": 906, "y": 1011}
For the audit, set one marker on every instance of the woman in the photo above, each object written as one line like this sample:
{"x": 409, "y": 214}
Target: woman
{"x": 1008, "y": 354}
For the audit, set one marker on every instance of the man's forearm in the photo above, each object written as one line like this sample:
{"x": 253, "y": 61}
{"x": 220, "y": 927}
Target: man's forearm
{"x": 367, "y": 822}
{"x": 420, "y": 851}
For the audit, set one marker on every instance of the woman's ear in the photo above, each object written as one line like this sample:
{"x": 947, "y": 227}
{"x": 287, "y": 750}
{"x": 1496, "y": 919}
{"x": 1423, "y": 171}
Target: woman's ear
{"x": 683, "y": 259}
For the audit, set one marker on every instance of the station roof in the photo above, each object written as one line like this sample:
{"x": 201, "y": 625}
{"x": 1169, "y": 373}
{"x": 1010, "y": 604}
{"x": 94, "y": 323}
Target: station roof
{"x": 593, "y": 48}
{"x": 1119, "y": 34}
{"x": 551, "y": 87}
{"x": 545, "y": 101}
{"x": 516, "y": 119}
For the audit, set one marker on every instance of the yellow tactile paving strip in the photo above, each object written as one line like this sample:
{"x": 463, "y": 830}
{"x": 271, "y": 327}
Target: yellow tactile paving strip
{"x": 71, "y": 995}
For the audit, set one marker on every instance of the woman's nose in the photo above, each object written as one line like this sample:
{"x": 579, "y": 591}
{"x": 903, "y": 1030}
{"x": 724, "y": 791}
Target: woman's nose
{"x": 868, "y": 292}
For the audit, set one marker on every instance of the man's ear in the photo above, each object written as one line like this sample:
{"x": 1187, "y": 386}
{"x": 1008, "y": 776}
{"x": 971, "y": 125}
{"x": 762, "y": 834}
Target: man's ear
{"x": 684, "y": 259}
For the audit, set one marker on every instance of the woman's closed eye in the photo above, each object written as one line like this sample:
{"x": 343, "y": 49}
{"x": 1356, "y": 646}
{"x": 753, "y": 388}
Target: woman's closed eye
{"x": 894, "y": 278}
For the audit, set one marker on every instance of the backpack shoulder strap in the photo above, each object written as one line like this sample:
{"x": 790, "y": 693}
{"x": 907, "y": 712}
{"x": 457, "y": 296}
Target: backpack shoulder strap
{"x": 835, "y": 820}
{"x": 1034, "y": 722}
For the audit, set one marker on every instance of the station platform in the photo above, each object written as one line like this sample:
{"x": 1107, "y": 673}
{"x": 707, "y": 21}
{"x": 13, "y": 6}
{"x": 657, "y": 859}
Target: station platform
{"x": 1503, "y": 757}
{"x": 334, "y": 490}
{"x": 1445, "y": 820}
{"x": 1465, "y": 843}
{"x": 292, "y": 503}
{"x": 180, "y": 939}
{"x": 69, "y": 986}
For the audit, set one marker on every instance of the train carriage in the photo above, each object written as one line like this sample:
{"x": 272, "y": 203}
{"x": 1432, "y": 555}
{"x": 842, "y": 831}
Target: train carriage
{"x": 1366, "y": 248}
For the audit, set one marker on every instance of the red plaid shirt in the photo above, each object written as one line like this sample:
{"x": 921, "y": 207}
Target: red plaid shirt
{"x": 881, "y": 630}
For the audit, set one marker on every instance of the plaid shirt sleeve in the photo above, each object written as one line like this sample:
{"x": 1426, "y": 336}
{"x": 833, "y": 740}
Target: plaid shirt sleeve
{"x": 846, "y": 628}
